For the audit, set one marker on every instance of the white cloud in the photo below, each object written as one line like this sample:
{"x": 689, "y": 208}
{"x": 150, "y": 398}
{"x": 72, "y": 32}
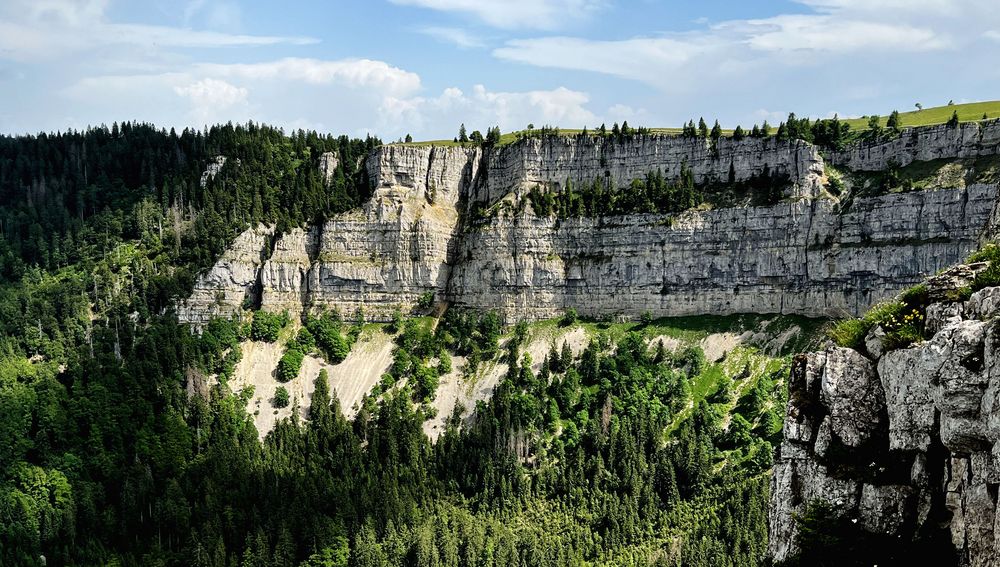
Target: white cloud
{"x": 644, "y": 59}
{"x": 834, "y": 35}
{"x": 50, "y": 29}
{"x": 714, "y": 54}
{"x": 356, "y": 96}
{"x": 218, "y": 14}
{"x": 211, "y": 96}
{"x": 483, "y": 108}
{"x": 455, "y": 36}
{"x": 513, "y": 14}
{"x": 346, "y": 72}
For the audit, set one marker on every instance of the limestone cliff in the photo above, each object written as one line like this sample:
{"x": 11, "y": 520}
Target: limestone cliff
{"x": 809, "y": 254}
{"x": 904, "y": 442}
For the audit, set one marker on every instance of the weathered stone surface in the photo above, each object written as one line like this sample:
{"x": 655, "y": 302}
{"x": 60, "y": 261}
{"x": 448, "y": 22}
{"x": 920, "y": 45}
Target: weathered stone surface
{"x": 941, "y": 406}
{"x": 328, "y": 163}
{"x": 874, "y": 341}
{"x": 222, "y": 290}
{"x": 794, "y": 484}
{"x": 807, "y": 255}
{"x": 938, "y": 315}
{"x": 885, "y": 509}
{"x": 985, "y": 303}
{"x": 944, "y": 286}
{"x": 852, "y": 395}
{"x": 553, "y": 160}
{"x": 212, "y": 169}
{"x": 968, "y": 140}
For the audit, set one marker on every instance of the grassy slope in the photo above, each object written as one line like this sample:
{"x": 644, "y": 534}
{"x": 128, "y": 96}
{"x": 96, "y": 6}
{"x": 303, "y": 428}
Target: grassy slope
{"x": 935, "y": 115}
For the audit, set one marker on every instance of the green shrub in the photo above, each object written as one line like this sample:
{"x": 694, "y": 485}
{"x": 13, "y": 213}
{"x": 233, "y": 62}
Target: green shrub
{"x": 280, "y": 399}
{"x": 326, "y": 331}
{"x": 901, "y": 319}
{"x": 569, "y": 317}
{"x": 289, "y": 365}
{"x": 306, "y": 340}
{"x": 849, "y": 333}
{"x": 266, "y": 326}
{"x": 426, "y": 300}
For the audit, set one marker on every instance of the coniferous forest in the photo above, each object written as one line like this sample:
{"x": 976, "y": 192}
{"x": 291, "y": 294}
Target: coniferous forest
{"x": 109, "y": 457}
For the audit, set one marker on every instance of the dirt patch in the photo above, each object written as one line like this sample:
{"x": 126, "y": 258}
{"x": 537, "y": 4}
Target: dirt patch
{"x": 351, "y": 379}
{"x": 717, "y": 345}
{"x": 257, "y": 368}
{"x": 540, "y": 342}
{"x": 455, "y": 388}
{"x": 670, "y": 344}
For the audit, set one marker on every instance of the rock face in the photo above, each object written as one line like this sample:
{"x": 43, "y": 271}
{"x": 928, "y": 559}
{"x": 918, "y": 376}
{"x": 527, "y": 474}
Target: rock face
{"x": 904, "y": 444}
{"x": 212, "y": 169}
{"x": 222, "y": 291}
{"x": 554, "y": 160}
{"x": 424, "y": 233}
{"x": 968, "y": 140}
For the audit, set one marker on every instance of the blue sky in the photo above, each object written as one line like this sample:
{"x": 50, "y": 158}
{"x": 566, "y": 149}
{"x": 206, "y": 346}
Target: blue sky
{"x": 392, "y": 67}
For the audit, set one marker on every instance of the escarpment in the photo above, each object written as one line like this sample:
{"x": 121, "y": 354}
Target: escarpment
{"x": 903, "y": 442}
{"x": 453, "y": 224}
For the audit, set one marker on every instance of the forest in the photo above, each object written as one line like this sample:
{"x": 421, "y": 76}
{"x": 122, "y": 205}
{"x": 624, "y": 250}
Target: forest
{"x": 108, "y": 456}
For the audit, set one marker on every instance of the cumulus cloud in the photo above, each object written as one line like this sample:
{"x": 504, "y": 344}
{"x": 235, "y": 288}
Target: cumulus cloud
{"x": 483, "y": 108}
{"x": 514, "y": 14}
{"x": 347, "y": 72}
{"x": 210, "y": 97}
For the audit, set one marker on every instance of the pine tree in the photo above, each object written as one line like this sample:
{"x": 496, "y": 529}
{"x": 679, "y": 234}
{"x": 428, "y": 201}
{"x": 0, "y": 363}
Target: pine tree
{"x": 716, "y": 131}
{"x": 702, "y": 128}
{"x": 953, "y": 121}
{"x": 463, "y": 137}
{"x": 893, "y": 122}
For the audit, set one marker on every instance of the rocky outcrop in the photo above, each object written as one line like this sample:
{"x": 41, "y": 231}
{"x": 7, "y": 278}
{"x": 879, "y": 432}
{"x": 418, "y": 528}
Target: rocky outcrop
{"x": 225, "y": 288}
{"x": 807, "y": 257}
{"x": 965, "y": 141}
{"x": 554, "y": 160}
{"x": 454, "y": 223}
{"x": 212, "y": 169}
{"x": 904, "y": 443}
{"x": 328, "y": 163}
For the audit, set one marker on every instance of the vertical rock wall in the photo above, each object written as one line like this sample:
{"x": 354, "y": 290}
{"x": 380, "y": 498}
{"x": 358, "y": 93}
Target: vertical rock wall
{"x": 808, "y": 254}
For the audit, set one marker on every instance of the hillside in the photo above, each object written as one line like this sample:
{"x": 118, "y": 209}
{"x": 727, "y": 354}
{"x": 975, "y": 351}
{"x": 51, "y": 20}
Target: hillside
{"x": 237, "y": 347}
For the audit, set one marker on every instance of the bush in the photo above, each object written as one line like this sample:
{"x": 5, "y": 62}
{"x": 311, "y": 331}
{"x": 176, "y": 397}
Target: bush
{"x": 426, "y": 300}
{"x": 306, "y": 340}
{"x": 569, "y": 317}
{"x": 289, "y": 365}
{"x": 330, "y": 341}
{"x": 902, "y": 319}
{"x": 266, "y": 326}
{"x": 396, "y": 323}
{"x": 280, "y": 399}
{"x": 647, "y": 318}
{"x": 849, "y": 333}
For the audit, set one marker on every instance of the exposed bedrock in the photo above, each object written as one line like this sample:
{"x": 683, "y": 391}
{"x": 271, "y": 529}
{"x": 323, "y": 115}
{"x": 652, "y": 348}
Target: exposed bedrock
{"x": 905, "y": 443}
{"x": 809, "y": 254}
